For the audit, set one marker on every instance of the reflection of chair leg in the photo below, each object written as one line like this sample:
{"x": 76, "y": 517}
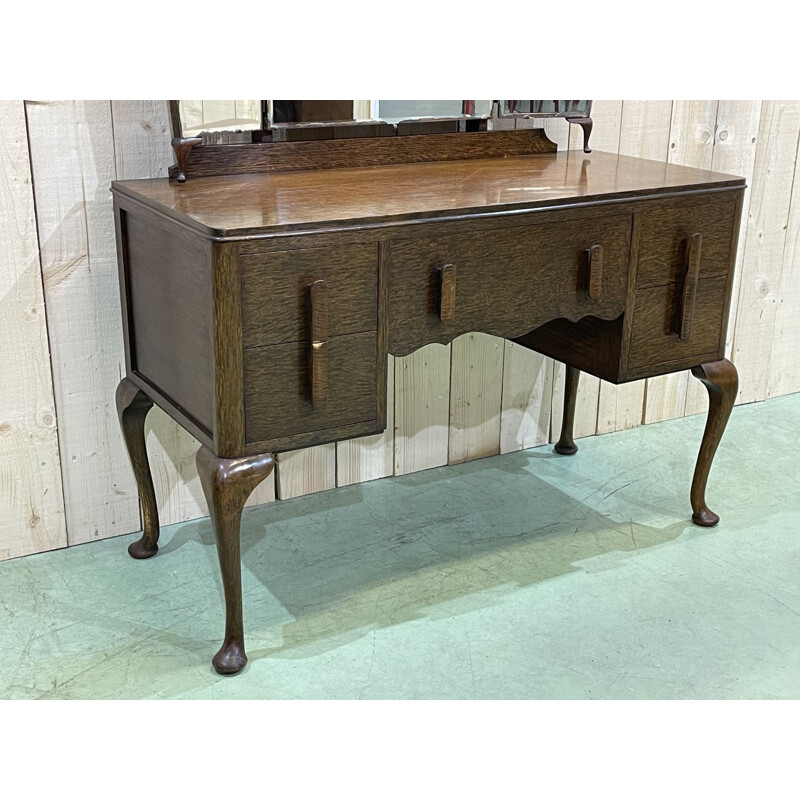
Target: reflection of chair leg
{"x": 227, "y": 483}
{"x": 132, "y": 407}
{"x": 722, "y": 382}
{"x": 566, "y": 445}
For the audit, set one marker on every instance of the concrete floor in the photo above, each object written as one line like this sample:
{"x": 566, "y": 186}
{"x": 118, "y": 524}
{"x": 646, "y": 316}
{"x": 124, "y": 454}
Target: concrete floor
{"x": 527, "y": 575}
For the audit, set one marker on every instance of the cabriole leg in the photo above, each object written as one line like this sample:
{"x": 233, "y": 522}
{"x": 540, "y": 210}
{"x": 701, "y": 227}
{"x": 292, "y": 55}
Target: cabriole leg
{"x": 722, "y": 382}
{"x": 132, "y": 407}
{"x": 566, "y": 445}
{"x": 227, "y": 483}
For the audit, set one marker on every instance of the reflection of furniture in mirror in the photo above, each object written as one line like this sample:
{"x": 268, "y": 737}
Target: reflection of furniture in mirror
{"x": 261, "y": 298}
{"x": 215, "y": 122}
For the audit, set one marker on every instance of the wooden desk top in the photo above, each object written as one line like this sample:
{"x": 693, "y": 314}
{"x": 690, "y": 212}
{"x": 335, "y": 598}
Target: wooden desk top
{"x": 247, "y": 205}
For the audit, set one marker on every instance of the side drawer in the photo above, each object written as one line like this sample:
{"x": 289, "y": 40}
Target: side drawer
{"x": 654, "y": 334}
{"x": 277, "y": 391}
{"x": 274, "y": 289}
{"x": 664, "y": 232}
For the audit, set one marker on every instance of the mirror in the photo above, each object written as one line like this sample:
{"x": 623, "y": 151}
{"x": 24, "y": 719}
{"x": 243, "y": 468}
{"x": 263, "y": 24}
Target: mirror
{"x": 242, "y": 116}
{"x": 546, "y": 108}
{"x": 211, "y": 122}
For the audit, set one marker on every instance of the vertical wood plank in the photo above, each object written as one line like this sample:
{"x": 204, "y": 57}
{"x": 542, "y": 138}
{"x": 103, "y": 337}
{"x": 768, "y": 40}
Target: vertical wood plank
{"x": 734, "y": 152}
{"x": 691, "y": 144}
{"x": 784, "y": 365}
{"x": 476, "y": 389}
{"x": 31, "y": 498}
{"x": 527, "y": 395}
{"x": 644, "y": 132}
{"x": 369, "y": 457}
{"x": 759, "y": 289}
{"x": 422, "y": 409}
{"x": 312, "y": 469}
{"x": 73, "y": 163}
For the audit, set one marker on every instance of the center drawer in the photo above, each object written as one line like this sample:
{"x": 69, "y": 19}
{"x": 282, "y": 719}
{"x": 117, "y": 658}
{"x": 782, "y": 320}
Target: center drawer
{"x": 506, "y": 281}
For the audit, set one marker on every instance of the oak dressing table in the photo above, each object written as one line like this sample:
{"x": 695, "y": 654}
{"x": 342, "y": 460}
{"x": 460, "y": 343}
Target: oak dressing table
{"x": 262, "y": 296}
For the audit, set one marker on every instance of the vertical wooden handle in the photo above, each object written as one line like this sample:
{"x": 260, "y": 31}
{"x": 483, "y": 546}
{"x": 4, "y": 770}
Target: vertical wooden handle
{"x": 318, "y": 372}
{"x": 594, "y": 261}
{"x": 447, "y": 292}
{"x": 691, "y": 274}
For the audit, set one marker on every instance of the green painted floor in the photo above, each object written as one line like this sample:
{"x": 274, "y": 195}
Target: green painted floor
{"x": 528, "y": 575}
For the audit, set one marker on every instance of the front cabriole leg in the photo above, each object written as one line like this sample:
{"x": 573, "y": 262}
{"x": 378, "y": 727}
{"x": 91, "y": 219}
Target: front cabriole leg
{"x": 722, "y": 382}
{"x": 132, "y": 407}
{"x": 227, "y": 483}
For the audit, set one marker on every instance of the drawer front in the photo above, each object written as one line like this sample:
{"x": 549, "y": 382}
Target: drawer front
{"x": 656, "y": 321}
{"x": 277, "y": 387}
{"x": 664, "y": 232}
{"x": 505, "y": 281}
{"x": 275, "y": 286}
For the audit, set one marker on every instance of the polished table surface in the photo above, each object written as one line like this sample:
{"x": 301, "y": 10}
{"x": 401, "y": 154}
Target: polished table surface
{"x": 248, "y": 205}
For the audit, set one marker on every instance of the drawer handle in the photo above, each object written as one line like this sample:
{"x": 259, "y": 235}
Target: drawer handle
{"x": 447, "y": 292}
{"x": 594, "y": 261}
{"x": 691, "y": 273}
{"x": 318, "y": 373}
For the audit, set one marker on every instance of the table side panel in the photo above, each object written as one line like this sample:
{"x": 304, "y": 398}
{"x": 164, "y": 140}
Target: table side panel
{"x": 167, "y": 273}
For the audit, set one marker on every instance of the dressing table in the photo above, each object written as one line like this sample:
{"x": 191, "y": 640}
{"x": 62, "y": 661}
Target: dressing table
{"x": 262, "y": 293}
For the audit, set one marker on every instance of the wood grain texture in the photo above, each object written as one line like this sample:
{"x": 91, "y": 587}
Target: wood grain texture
{"x": 422, "y": 409}
{"x": 765, "y": 245}
{"x": 734, "y": 151}
{"x": 721, "y": 380}
{"x": 259, "y": 205}
{"x": 644, "y": 132}
{"x": 476, "y": 384}
{"x": 527, "y": 398}
{"x": 369, "y": 457}
{"x": 277, "y": 392}
{"x": 282, "y": 279}
{"x": 73, "y": 163}
{"x": 501, "y": 275}
{"x": 31, "y": 497}
{"x": 607, "y": 116}
{"x": 137, "y": 136}
{"x": 169, "y": 297}
{"x": 227, "y": 483}
{"x": 784, "y": 366}
{"x": 312, "y": 469}
{"x": 343, "y": 153}
{"x": 142, "y": 150}
{"x": 692, "y": 138}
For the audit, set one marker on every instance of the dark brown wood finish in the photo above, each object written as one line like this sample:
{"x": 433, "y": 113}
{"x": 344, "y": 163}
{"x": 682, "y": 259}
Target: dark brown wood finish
{"x": 503, "y": 278}
{"x": 132, "y": 407}
{"x": 722, "y": 382}
{"x": 259, "y": 206}
{"x": 259, "y": 309}
{"x": 361, "y": 152}
{"x": 566, "y": 444}
{"x": 227, "y": 483}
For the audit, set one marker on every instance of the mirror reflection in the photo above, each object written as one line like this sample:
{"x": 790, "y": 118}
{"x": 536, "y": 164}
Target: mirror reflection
{"x": 235, "y": 120}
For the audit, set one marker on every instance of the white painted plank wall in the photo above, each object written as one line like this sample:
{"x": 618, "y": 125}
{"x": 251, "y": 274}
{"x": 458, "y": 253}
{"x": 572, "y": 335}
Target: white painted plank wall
{"x": 31, "y": 497}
